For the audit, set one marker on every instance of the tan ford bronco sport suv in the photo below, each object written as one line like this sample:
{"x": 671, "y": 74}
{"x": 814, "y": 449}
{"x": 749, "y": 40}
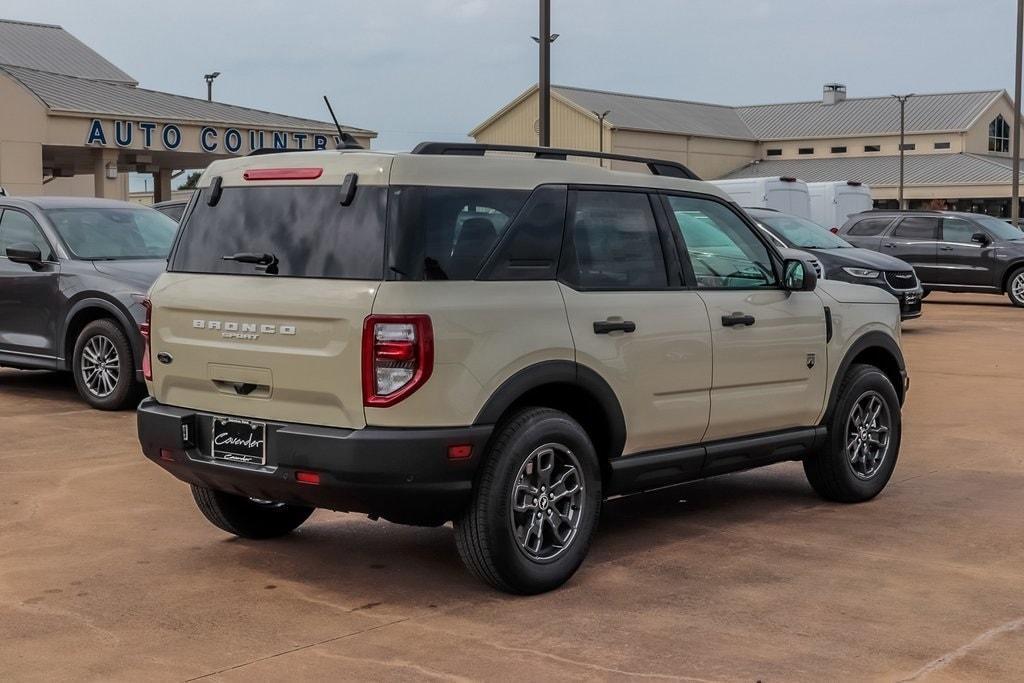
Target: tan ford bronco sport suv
{"x": 501, "y": 338}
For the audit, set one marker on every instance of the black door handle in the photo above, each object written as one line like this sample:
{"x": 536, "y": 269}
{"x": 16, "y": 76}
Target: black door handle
{"x": 737, "y": 319}
{"x": 606, "y": 326}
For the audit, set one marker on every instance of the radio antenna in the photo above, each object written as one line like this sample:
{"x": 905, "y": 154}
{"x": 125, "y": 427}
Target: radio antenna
{"x": 346, "y": 141}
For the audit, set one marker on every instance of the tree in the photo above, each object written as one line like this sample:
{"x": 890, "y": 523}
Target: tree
{"x": 190, "y": 181}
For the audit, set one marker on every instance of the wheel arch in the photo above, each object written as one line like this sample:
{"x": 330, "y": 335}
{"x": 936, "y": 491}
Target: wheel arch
{"x": 571, "y": 388}
{"x": 874, "y": 348}
{"x": 1011, "y": 268}
{"x": 88, "y": 310}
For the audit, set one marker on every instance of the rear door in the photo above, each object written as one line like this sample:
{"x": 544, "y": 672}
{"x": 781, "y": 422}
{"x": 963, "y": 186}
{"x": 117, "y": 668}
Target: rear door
{"x": 28, "y": 294}
{"x": 278, "y": 340}
{"x": 769, "y": 344}
{"x": 914, "y": 239}
{"x": 961, "y": 261}
{"x": 631, "y": 320}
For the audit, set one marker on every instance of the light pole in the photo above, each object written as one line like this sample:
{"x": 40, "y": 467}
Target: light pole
{"x": 1015, "y": 202}
{"x": 209, "y": 84}
{"x": 600, "y": 129}
{"x": 544, "y": 82}
{"x": 903, "y": 126}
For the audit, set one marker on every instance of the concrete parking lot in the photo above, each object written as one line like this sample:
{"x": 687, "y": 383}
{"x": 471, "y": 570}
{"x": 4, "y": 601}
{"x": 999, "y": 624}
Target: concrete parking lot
{"x": 107, "y": 570}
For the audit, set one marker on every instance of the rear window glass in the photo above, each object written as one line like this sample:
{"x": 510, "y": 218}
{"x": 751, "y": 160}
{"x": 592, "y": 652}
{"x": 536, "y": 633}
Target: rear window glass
{"x": 305, "y": 228}
{"x": 446, "y": 233}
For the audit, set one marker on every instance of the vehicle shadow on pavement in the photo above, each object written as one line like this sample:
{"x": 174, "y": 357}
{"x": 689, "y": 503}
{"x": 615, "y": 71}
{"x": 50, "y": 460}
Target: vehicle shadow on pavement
{"x": 38, "y": 384}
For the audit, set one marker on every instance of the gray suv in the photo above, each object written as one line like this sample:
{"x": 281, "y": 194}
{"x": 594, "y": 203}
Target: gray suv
{"x": 74, "y": 274}
{"x": 951, "y": 251}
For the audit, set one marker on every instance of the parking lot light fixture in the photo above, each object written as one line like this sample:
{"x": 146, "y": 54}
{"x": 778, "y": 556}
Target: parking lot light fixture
{"x": 902, "y": 99}
{"x": 210, "y": 77}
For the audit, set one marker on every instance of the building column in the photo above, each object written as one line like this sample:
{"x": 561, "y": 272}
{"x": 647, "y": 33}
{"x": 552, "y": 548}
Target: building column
{"x": 162, "y": 185}
{"x": 108, "y": 188}
{"x": 21, "y": 168}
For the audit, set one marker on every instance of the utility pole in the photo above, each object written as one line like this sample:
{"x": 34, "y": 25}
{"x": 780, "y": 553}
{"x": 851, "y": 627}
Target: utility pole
{"x": 209, "y": 85}
{"x": 544, "y": 40}
{"x": 600, "y": 130}
{"x": 903, "y": 126}
{"x": 1015, "y": 202}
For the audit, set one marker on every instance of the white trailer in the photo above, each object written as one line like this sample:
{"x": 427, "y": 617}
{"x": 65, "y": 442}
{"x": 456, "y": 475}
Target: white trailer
{"x": 833, "y": 203}
{"x": 782, "y": 193}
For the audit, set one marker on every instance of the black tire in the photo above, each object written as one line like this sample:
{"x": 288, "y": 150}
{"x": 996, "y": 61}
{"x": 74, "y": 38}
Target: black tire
{"x": 249, "y": 518}
{"x": 486, "y": 535}
{"x": 92, "y": 386}
{"x": 1015, "y": 288}
{"x": 833, "y": 473}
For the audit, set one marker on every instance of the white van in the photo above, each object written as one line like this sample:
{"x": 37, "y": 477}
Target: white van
{"x": 781, "y": 193}
{"x": 833, "y": 203}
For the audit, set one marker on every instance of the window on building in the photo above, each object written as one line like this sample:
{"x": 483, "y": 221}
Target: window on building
{"x": 806, "y": 150}
{"x": 872, "y": 148}
{"x": 839, "y": 150}
{"x": 999, "y": 135}
{"x": 941, "y": 145}
{"x": 774, "y": 152}
{"x": 908, "y": 146}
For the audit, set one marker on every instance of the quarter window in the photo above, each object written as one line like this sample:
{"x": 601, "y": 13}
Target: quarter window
{"x": 723, "y": 251}
{"x": 999, "y": 135}
{"x": 17, "y": 228}
{"x": 614, "y": 243}
{"x": 917, "y": 228}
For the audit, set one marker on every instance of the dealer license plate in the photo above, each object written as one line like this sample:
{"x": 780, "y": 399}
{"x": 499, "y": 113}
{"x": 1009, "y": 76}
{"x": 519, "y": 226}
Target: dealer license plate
{"x": 239, "y": 441}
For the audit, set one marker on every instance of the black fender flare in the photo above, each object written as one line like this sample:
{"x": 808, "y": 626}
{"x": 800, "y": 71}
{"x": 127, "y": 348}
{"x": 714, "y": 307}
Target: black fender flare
{"x": 870, "y": 340}
{"x": 559, "y": 372}
{"x": 124, "y": 319}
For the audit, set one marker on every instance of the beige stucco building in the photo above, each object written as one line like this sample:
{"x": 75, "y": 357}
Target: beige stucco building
{"x": 957, "y": 144}
{"x": 72, "y": 123}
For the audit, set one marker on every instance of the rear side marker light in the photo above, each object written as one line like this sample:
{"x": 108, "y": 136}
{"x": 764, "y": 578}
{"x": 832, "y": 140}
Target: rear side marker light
{"x": 167, "y": 454}
{"x": 460, "y": 452}
{"x": 144, "y": 330}
{"x": 283, "y": 173}
{"x": 398, "y": 357}
{"x": 308, "y": 478}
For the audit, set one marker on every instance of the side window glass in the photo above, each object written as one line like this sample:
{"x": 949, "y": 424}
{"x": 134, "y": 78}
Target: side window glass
{"x": 614, "y": 243}
{"x": 723, "y": 251}
{"x": 869, "y": 227}
{"x": 957, "y": 230}
{"x": 917, "y": 228}
{"x": 531, "y": 248}
{"x": 19, "y": 228}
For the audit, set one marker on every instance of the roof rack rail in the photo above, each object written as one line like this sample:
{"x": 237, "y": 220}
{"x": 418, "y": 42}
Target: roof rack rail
{"x": 660, "y": 167}
{"x": 938, "y": 211}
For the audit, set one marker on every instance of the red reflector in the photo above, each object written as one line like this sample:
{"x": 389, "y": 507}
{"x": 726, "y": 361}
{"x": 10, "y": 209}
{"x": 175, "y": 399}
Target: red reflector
{"x": 167, "y": 454}
{"x": 283, "y": 173}
{"x": 834, "y": 231}
{"x": 307, "y": 478}
{"x": 144, "y": 330}
{"x": 460, "y": 452}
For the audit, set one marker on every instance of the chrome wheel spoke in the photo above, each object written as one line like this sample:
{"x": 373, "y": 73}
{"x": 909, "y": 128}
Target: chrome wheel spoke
{"x": 100, "y": 366}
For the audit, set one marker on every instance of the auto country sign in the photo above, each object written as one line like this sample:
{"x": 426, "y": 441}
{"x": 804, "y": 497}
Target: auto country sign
{"x": 212, "y": 139}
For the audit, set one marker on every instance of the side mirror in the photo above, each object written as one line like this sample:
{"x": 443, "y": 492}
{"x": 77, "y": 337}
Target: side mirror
{"x": 980, "y": 238}
{"x": 798, "y": 276}
{"x": 25, "y": 252}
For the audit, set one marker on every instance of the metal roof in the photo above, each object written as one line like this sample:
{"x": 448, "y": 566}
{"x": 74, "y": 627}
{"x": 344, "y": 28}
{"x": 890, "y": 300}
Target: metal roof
{"x": 920, "y": 169}
{"x": 71, "y": 94}
{"x": 925, "y": 113}
{"x": 866, "y": 115}
{"x": 660, "y": 114}
{"x": 46, "y": 47}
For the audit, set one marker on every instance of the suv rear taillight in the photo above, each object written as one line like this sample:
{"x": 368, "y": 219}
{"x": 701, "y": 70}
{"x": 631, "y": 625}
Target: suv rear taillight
{"x": 147, "y": 355}
{"x": 398, "y": 357}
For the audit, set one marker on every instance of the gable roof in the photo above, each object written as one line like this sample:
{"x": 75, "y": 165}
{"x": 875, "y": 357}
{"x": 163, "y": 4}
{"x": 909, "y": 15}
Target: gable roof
{"x": 80, "y": 95}
{"x": 920, "y": 169}
{"x": 46, "y": 47}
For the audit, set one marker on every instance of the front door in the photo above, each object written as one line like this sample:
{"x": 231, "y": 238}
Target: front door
{"x": 915, "y": 240}
{"x": 28, "y": 293}
{"x": 770, "y": 367}
{"x": 631, "y": 320}
{"x": 962, "y": 261}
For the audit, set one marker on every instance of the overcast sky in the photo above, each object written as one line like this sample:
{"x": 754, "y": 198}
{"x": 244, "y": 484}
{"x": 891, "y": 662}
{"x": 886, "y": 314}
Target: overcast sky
{"x": 432, "y": 69}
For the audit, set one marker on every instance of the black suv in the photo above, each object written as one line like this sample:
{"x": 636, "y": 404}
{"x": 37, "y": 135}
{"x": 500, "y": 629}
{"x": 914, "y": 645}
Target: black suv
{"x": 74, "y": 274}
{"x": 840, "y": 260}
{"x": 950, "y": 250}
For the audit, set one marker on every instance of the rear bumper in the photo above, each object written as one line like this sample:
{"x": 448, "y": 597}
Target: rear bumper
{"x": 403, "y": 475}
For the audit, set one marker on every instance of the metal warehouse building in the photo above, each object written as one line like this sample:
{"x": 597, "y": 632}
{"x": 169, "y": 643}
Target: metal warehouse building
{"x": 72, "y": 123}
{"x": 957, "y": 145}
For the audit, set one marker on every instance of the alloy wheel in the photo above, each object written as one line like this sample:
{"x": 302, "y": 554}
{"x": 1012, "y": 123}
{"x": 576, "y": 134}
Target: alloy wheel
{"x": 547, "y": 502}
{"x": 100, "y": 366}
{"x": 1017, "y": 287}
{"x": 867, "y": 434}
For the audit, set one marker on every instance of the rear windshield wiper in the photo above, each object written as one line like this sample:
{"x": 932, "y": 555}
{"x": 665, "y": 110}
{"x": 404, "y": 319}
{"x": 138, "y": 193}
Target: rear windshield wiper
{"x": 268, "y": 260}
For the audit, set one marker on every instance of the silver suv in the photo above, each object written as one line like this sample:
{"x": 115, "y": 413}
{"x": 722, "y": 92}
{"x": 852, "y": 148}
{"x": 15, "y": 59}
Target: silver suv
{"x": 498, "y": 340}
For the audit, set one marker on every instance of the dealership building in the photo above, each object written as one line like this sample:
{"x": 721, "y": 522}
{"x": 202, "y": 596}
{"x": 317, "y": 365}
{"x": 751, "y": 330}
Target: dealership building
{"x": 956, "y": 149}
{"x": 72, "y": 123}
